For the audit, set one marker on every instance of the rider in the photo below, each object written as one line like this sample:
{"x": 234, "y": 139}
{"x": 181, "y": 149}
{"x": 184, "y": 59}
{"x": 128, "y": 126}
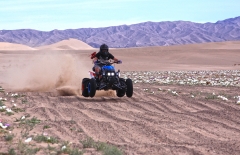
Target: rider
{"x": 102, "y": 55}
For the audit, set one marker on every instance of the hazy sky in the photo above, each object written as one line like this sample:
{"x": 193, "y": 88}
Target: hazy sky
{"x": 47, "y": 15}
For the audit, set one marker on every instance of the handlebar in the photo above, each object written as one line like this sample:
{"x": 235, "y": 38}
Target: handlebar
{"x": 108, "y": 62}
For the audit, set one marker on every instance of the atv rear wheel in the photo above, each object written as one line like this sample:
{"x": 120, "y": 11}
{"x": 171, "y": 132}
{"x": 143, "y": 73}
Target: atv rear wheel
{"x": 92, "y": 87}
{"x": 85, "y": 87}
{"x": 129, "y": 91}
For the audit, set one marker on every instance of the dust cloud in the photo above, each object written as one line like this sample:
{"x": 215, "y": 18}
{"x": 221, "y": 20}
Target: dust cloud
{"x": 59, "y": 72}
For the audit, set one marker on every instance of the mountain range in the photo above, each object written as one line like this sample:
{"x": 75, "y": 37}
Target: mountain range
{"x": 135, "y": 35}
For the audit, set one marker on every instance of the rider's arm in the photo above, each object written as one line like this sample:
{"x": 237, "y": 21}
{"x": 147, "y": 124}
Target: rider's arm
{"x": 95, "y": 60}
{"x": 115, "y": 59}
{"x": 112, "y": 57}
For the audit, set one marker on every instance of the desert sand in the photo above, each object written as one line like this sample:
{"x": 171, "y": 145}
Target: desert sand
{"x": 186, "y": 101}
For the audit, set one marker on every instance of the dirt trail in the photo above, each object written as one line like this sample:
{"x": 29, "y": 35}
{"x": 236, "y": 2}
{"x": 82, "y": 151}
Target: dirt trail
{"x": 158, "y": 123}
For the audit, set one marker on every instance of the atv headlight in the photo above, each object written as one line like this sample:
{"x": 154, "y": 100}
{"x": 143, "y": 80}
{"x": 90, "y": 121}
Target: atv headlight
{"x": 112, "y": 74}
{"x": 108, "y": 74}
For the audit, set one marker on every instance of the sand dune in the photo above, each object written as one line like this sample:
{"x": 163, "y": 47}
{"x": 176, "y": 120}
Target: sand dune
{"x": 160, "y": 118}
{"x": 12, "y": 46}
{"x": 71, "y": 44}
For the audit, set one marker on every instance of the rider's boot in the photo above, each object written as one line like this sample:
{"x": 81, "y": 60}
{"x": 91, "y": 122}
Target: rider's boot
{"x": 102, "y": 84}
{"x": 97, "y": 76}
{"x": 97, "y": 79}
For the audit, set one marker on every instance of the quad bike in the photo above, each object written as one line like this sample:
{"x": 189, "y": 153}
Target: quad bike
{"x": 110, "y": 80}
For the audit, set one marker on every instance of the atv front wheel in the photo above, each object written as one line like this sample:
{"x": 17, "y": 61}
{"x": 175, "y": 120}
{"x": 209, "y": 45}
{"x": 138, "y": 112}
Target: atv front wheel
{"x": 129, "y": 91}
{"x": 121, "y": 92}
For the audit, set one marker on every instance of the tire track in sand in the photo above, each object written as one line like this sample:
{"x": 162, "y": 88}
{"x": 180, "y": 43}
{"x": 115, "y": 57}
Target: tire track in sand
{"x": 155, "y": 124}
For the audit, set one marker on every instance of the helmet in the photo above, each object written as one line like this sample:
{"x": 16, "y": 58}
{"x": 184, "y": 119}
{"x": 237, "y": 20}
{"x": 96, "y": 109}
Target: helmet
{"x": 104, "y": 49}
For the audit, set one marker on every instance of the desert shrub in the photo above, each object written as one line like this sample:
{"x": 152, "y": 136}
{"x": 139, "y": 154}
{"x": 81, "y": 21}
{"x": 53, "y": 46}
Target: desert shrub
{"x": 42, "y": 138}
{"x": 9, "y": 137}
{"x": 105, "y": 148}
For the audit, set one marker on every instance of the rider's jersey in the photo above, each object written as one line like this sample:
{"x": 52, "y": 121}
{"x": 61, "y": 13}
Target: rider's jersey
{"x": 102, "y": 57}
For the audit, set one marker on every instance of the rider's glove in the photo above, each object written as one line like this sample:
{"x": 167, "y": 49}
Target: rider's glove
{"x": 119, "y": 61}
